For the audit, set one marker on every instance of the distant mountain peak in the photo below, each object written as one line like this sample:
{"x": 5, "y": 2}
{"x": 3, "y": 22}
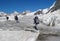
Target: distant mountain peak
{"x": 15, "y": 12}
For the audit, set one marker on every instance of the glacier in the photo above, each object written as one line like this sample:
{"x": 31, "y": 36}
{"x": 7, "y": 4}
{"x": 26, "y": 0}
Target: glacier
{"x": 24, "y": 31}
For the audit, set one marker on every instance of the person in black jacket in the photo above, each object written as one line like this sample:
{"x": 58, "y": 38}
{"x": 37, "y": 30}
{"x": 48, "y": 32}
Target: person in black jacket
{"x": 16, "y": 18}
{"x": 36, "y": 22}
{"x": 7, "y": 17}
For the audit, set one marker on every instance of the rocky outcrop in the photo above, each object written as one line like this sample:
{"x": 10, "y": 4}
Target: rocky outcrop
{"x": 38, "y": 12}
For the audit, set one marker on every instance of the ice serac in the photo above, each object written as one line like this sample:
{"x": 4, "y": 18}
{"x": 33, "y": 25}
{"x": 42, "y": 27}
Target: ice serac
{"x": 18, "y": 36}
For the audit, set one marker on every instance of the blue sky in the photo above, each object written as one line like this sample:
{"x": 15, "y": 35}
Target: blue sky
{"x": 9, "y": 6}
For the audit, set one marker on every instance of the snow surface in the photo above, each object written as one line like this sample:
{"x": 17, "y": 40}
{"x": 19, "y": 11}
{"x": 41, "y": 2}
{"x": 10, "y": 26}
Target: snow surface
{"x": 18, "y": 36}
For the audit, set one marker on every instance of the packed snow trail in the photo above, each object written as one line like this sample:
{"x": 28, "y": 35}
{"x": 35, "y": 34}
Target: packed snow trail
{"x": 18, "y": 36}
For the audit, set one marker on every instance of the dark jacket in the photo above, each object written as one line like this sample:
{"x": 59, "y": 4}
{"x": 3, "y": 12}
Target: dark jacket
{"x": 36, "y": 20}
{"x": 16, "y": 17}
{"x": 7, "y": 17}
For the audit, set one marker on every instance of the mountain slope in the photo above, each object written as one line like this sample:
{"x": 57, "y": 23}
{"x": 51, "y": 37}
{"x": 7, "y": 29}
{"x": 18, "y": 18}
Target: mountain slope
{"x": 56, "y": 6}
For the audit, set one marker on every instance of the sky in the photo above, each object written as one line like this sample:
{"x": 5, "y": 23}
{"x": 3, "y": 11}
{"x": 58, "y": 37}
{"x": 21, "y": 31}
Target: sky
{"x": 10, "y": 6}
